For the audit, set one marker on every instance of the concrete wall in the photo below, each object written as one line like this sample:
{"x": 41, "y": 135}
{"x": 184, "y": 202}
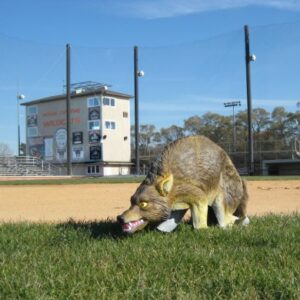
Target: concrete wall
{"x": 116, "y": 146}
{"x": 82, "y": 170}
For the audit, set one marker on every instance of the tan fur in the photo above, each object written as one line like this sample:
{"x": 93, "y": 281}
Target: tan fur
{"x": 195, "y": 173}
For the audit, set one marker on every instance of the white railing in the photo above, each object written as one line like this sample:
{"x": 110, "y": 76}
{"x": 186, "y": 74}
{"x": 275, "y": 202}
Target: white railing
{"x": 27, "y": 166}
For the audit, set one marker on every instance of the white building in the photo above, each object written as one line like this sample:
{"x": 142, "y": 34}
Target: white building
{"x": 99, "y": 126}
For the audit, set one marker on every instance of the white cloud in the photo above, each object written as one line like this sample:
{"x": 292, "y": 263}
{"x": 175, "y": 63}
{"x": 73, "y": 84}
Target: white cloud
{"x": 276, "y": 102}
{"x": 188, "y": 103}
{"x": 171, "y": 8}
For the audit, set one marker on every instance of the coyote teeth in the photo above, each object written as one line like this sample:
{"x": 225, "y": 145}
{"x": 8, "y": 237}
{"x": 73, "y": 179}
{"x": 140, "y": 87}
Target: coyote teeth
{"x": 130, "y": 226}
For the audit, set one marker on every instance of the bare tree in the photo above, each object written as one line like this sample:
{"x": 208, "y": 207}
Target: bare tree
{"x": 147, "y": 133}
{"x": 192, "y": 125}
{"x": 23, "y": 149}
{"x": 171, "y": 133}
{"x": 261, "y": 119}
{"x": 5, "y": 150}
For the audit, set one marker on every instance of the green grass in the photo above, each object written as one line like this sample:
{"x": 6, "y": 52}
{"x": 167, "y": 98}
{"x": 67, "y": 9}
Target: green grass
{"x": 95, "y": 261}
{"x": 261, "y": 178}
{"x": 80, "y": 180}
{"x": 121, "y": 179}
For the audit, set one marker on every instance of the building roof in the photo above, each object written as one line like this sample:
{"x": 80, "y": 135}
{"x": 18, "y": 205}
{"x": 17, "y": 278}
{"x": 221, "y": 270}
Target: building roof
{"x": 75, "y": 94}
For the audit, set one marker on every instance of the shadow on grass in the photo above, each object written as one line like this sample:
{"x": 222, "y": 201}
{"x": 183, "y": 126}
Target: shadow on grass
{"x": 111, "y": 229}
{"x": 95, "y": 229}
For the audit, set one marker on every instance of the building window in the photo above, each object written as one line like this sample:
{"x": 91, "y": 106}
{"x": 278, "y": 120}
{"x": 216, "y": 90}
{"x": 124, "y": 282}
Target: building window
{"x": 93, "y": 170}
{"x": 32, "y": 110}
{"x": 110, "y": 125}
{"x": 93, "y": 101}
{"x": 105, "y": 101}
{"x": 32, "y": 131}
{"x": 94, "y": 125}
{"x": 109, "y": 101}
{"x": 125, "y": 114}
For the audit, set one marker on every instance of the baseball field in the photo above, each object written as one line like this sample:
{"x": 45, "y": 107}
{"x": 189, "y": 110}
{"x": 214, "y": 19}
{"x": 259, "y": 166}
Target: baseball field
{"x": 60, "y": 241}
{"x": 89, "y": 202}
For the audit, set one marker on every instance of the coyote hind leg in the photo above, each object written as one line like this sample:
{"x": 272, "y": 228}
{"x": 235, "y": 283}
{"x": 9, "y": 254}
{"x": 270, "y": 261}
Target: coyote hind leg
{"x": 224, "y": 218}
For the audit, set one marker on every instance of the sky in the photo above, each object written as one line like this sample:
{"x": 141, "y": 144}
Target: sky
{"x": 192, "y": 53}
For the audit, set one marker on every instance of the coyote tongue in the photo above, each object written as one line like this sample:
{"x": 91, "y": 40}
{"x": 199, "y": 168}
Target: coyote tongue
{"x": 131, "y": 226}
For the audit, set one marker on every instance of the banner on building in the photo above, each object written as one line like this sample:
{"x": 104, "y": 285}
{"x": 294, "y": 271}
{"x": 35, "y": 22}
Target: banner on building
{"x": 48, "y": 142}
{"x": 61, "y": 154}
{"x": 94, "y": 136}
{"x": 95, "y": 152}
{"x": 77, "y": 137}
{"x": 32, "y": 121}
{"x": 78, "y": 153}
{"x": 36, "y": 147}
{"x": 61, "y": 138}
{"x": 94, "y": 113}
{"x": 61, "y": 144}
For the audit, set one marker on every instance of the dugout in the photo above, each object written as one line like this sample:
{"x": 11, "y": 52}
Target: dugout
{"x": 281, "y": 167}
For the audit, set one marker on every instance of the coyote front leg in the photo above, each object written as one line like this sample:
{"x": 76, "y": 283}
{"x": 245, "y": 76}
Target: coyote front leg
{"x": 199, "y": 214}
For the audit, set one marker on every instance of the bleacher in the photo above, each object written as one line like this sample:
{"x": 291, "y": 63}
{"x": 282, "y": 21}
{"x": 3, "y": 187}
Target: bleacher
{"x": 26, "y": 166}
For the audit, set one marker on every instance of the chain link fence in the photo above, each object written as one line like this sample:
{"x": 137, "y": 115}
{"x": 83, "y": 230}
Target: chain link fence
{"x": 181, "y": 82}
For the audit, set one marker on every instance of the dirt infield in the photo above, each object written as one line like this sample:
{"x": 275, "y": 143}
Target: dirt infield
{"x": 48, "y": 203}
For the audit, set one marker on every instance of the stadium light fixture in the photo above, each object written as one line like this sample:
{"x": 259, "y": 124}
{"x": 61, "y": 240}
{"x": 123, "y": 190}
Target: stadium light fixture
{"x": 141, "y": 73}
{"x": 252, "y": 57}
{"x": 233, "y": 104}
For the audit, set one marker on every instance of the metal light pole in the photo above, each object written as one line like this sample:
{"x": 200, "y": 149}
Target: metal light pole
{"x": 19, "y": 97}
{"x": 137, "y": 74}
{"x": 68, "y": 106}
{"x": 249, "y": 58}
{"x": 233, "y": 104}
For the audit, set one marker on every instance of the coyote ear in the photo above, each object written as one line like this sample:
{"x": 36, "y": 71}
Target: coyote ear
{"x": 165, "y": 185}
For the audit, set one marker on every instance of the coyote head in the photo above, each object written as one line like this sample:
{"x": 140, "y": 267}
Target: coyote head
{"x": 149, "y": 204}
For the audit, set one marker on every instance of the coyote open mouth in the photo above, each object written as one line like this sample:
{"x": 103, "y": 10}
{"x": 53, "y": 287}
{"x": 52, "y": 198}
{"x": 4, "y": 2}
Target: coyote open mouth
{"x": 132, "y": 226}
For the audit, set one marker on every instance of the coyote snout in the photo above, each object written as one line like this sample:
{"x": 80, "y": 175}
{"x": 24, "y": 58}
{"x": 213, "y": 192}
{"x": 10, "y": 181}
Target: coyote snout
{"x": 147, "y": 205}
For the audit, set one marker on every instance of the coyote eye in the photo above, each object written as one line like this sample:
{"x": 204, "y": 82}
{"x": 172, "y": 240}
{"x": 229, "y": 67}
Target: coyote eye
{"x": 143, "y": 204}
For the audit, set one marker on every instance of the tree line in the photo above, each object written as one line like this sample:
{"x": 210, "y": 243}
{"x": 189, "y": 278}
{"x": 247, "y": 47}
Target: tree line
{"x": 273, "y": 133}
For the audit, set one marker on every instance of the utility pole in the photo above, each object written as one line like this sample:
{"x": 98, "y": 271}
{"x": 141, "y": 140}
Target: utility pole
{"x": 137, "y": 73}
{"x": 136, "y": 111}
{"x": 19, "y": 97}
{"x": 249, "y": 58}
{"x": 233, "y": 104}
{"x": 68, "y": 105}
